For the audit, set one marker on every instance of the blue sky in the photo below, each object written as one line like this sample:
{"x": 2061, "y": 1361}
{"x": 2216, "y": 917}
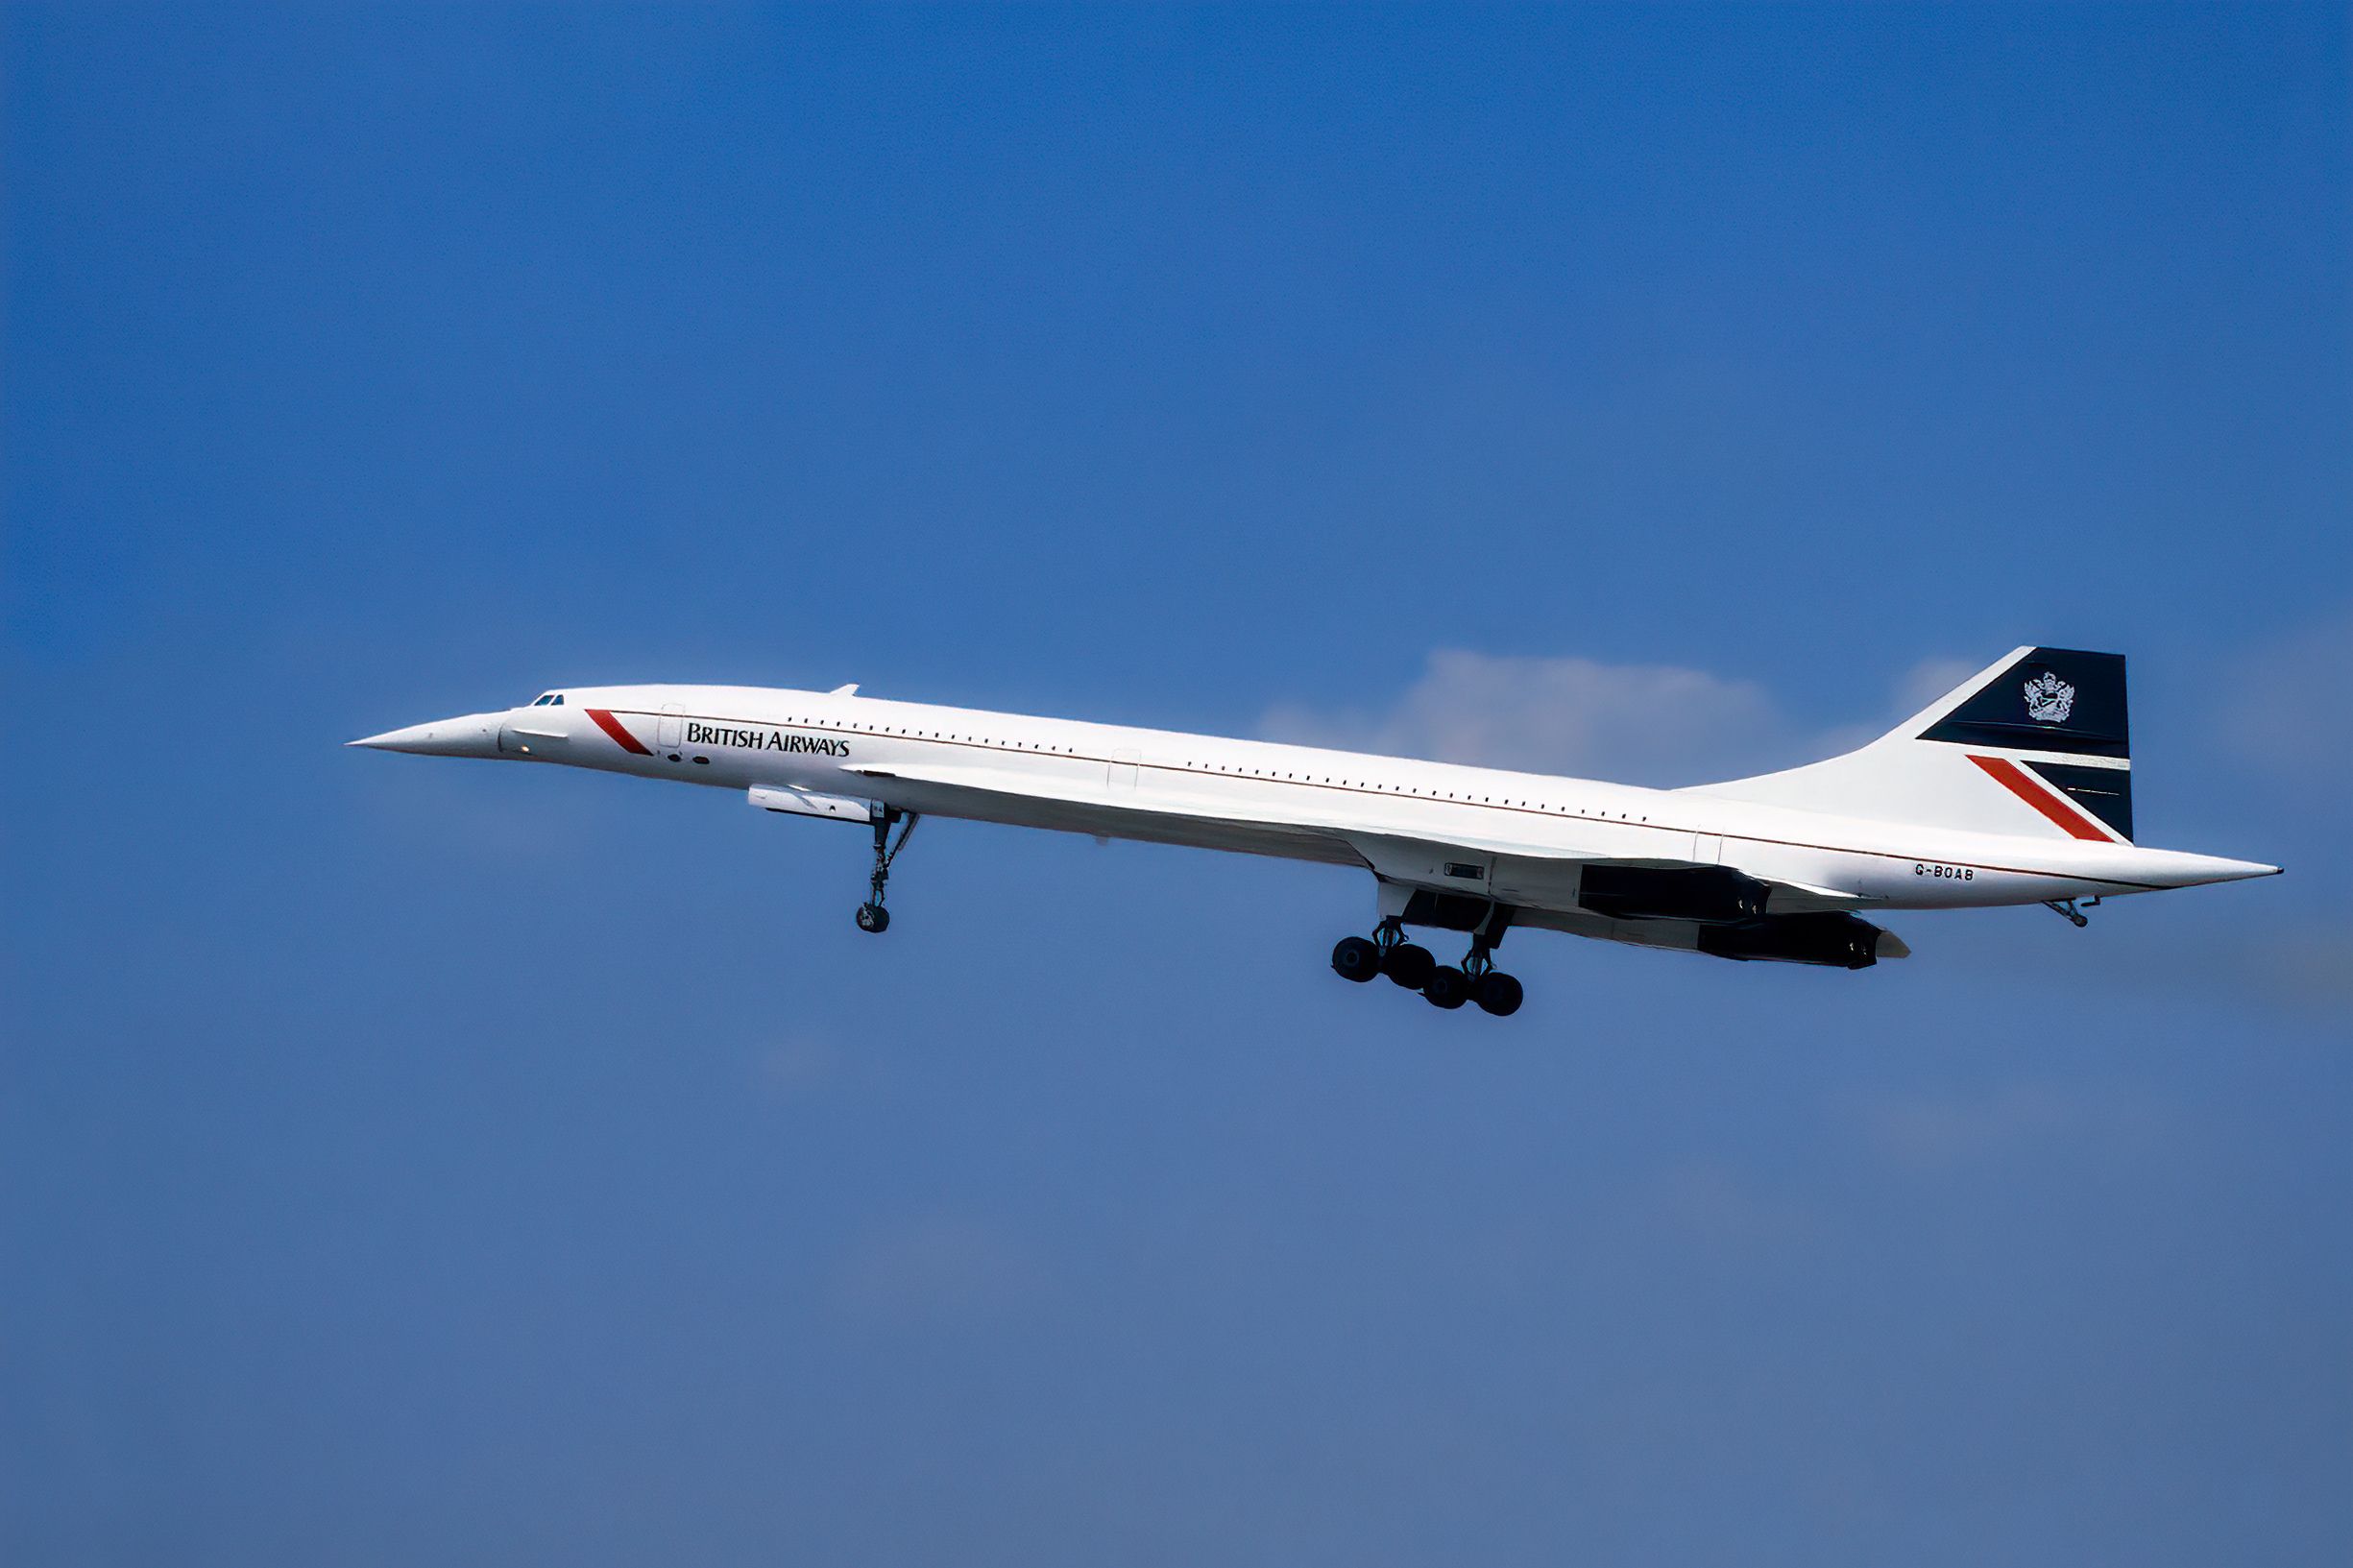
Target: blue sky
{"x": 403, "y": 1161}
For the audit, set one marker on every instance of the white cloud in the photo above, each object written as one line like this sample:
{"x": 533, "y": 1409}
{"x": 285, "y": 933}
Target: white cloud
{"x": 1657, "y": 724}
{"x": 1930, "y": 679}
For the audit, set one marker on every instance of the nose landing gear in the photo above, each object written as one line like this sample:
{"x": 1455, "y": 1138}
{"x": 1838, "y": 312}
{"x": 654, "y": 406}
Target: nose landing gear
{"x": 871, "y": 915}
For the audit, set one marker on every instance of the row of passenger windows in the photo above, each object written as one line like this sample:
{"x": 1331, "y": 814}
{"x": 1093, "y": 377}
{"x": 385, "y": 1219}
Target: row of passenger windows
{"x": 943, "y": 734}
{"x": 1246, "y": 773}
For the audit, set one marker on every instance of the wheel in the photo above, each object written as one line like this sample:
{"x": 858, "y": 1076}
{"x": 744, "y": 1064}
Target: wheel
{"x": 1498, "y": 993}
{"x": 1356, "y": 959}
{"x": 1447, "y": 987}
{"x": 1408, "y": 965}
{"x": 873, "y": 917}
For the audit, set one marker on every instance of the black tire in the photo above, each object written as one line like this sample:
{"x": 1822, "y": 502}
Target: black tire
{"x": 1408, "y": 965}
{"x": 873, "y": 917}
{"x": 1497, "y": 993}
{"x": 1356, "y": 959}
{"x": 1447, "y": 987}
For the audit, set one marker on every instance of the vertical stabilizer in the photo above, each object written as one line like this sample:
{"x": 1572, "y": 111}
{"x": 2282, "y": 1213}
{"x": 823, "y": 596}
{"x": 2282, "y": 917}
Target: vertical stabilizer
{"x": 2035, "y": 743}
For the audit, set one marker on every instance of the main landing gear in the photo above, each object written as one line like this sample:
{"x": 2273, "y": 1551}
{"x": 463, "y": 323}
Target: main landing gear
{"x": 871, "y": 915}
{"x": 1388, "y": 953}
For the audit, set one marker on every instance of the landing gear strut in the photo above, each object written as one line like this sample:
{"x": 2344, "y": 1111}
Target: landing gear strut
{"x": 871, "y": 915}
{"x": 1494, "y": 991}
{"x": 1403, "y": 962}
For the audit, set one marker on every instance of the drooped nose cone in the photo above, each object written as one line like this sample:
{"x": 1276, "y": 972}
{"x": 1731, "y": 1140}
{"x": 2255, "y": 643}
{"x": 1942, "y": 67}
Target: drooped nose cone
{"x": 476, "y": 734}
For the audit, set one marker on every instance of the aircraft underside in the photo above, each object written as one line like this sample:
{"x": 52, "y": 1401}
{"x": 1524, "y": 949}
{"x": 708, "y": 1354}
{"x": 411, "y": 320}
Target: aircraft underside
{"x": 1710, "y": 911}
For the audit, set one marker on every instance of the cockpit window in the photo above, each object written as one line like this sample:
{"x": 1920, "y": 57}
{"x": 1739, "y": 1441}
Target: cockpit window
{"x": 547, "y": 699}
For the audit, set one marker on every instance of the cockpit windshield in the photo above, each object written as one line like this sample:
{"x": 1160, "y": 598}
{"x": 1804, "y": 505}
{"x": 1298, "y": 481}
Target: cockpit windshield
{"x": 550, "y": 699}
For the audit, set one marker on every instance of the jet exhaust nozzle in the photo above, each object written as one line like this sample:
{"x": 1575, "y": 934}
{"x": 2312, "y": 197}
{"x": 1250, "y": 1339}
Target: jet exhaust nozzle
{"x": 1838, "y": 941}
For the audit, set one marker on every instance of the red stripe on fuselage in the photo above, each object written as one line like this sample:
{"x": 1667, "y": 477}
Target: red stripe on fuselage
{"x": 612, "y": 726}
{"x": 2013, "y": 778}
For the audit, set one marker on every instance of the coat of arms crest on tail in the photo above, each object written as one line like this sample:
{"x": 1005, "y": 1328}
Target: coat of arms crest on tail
{"x": 2050, "y": 699}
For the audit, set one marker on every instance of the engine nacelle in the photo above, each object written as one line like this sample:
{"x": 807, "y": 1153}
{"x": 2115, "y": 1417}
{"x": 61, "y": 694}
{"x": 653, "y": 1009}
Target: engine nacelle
{"x": 1456, "y": 912}
{"x": 1712, "y": 895}
{"x": 1839, "y": 940}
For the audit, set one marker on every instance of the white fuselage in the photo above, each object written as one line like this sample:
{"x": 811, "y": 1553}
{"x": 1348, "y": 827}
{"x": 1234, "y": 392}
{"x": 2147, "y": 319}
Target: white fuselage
{"x": 1516, "y": 838}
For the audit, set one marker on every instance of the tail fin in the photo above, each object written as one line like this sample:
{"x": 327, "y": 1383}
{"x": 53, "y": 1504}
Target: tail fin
{"x": 2036, "y": 743}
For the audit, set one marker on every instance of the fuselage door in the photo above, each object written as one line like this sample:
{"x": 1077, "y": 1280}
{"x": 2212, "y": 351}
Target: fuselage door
{"x": 670, "y": 729}
{"x": 1120, "y": 774}
{"x": 1706, "y": 849}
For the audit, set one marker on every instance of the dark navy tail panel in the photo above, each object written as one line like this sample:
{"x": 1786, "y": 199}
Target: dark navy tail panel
{"x": 2052, "y": 700}
{"x": 2106, "y": 792}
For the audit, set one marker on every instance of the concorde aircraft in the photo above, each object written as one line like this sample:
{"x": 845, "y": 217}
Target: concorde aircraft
{"x": 2014, "y": 787}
